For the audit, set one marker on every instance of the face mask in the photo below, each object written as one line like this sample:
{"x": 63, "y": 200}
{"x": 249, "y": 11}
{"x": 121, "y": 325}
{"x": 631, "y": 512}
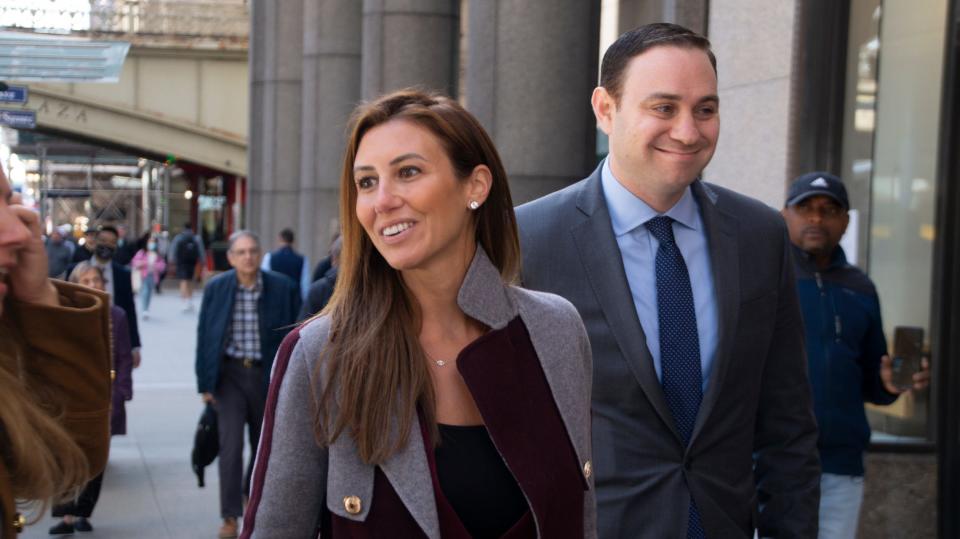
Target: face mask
{"x": 105, "y": 252}
{"x": 151, "y": 246}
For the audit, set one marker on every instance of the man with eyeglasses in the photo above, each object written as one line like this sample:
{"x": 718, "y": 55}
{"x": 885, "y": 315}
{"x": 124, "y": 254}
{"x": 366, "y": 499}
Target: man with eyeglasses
{"x": 244, "y": 316}
{"x": 846, "y": 347}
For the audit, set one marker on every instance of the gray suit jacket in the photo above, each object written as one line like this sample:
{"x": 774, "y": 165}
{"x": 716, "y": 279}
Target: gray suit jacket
{"x": 300, "y": 476}
{"x": 754, "y": 446}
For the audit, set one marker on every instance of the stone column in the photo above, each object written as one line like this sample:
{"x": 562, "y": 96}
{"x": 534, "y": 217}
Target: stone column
{"x": 755, "y": 65}
{"x": 689, "y": 13}
{"x": 531, "y": 67}
{"x": 410, "y": 43}
{"x": 276, "y": 45}
{"x": 331, "y": 89}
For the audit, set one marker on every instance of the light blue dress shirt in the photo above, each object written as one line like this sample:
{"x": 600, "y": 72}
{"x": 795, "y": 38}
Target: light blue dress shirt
{"x": 638, "y": 248}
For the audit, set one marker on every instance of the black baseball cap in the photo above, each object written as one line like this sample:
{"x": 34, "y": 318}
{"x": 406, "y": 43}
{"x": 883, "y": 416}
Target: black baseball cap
{"x": 818, "y": 183}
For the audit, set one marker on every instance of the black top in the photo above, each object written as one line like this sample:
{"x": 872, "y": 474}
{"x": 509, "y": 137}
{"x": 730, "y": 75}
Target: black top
{"x": 477, "y": 482}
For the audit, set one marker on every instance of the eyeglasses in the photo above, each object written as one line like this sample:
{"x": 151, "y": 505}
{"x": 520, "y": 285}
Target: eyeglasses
{"x": 826, "y": 211}
{"x": 245, "y": 252}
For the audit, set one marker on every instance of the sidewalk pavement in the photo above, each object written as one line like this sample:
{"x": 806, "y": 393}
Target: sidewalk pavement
{"x": 149, "y": 490}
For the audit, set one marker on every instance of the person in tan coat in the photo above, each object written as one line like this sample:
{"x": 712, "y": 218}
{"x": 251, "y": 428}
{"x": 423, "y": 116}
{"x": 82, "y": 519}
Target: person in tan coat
{"x": 54, "y": 374}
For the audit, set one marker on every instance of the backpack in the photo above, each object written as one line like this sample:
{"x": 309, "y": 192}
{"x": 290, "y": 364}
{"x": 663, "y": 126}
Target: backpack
{"x": 188, "y": 251}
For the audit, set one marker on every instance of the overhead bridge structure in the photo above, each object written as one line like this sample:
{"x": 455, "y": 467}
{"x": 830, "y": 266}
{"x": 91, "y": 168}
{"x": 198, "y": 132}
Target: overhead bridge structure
{"x": 182, "y": 91}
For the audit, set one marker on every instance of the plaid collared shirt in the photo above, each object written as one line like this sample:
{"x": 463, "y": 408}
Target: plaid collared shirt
{"x": 244, "y": 334}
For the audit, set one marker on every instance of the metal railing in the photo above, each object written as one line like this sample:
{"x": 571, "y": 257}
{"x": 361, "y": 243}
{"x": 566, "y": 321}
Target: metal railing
{"x": 139, "y": 17}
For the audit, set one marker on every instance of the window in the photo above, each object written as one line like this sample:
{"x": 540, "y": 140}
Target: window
{"x": 890, "y": 143}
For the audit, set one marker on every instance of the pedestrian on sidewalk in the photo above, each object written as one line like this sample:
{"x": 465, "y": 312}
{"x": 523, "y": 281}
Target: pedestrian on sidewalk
{"x": 117, "y": 282}
{"x": 76, "y": 513}
{"x": 244, "y": 315}
{"x": 289, "y": 262}
{"x": 150, "y": 265}
{"x": 54, "y": 385}
{"x": 185, "y": 252}
{"x": 59, "y": 254}
{"x": 321, "y": 291}
{"x": 846, "y": 347}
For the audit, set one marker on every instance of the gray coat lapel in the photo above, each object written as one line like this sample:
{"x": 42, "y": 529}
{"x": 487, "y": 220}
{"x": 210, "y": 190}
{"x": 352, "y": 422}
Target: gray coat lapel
{"x": 603, "y": 266}
{"x": 407, "y": 471}
{"x": 347, "y": 475}
{"x": 721, "y": 228}
{"x": 409, "y": 474}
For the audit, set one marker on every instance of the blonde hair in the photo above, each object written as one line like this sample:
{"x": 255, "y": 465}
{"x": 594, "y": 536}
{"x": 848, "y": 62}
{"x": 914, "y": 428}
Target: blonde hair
{"x": 41, "y": 458}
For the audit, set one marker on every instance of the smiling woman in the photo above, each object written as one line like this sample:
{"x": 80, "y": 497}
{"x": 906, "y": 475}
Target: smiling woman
{"x": 447, "y": 401}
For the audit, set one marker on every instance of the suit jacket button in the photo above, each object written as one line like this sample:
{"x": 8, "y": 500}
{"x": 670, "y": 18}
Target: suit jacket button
{"x": 587, "y": 469}
{"x": 688, "y": 464}
{"x": 352, "y": 505}
{"x": 19, "y": 521}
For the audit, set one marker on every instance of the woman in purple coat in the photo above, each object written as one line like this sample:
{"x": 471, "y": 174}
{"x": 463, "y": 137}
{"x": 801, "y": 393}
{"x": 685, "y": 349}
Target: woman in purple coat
{"x": 76, "y": 514}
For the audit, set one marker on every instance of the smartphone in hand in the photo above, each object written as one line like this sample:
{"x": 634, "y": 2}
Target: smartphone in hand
{"x": 907, "y": 355}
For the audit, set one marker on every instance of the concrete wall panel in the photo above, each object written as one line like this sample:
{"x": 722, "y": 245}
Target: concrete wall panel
{"x": 169, "y": 87}
{"x": 530, "y": 70}
{"x": 753, "y": 42}
{"x": 224, "y": 94}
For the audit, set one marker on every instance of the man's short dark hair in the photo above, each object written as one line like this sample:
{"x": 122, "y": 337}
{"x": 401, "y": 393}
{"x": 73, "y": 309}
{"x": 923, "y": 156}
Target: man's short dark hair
{"x": 187, "y": 226}
{"x": 108, "y": 228}
{"x": 639, "y": 40}
{"x": 286, "y": 235}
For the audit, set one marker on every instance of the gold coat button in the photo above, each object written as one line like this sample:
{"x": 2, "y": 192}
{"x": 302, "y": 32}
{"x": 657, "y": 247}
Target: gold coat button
{"x": 352, "y": 505}
{"x": 587, "y": 469}
{"x": 19, "y": 521}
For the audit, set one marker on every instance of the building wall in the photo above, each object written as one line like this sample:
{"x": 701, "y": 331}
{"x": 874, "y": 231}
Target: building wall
{"x": 753, "y": 42}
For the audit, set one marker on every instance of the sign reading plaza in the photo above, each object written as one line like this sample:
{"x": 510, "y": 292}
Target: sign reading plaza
{"x": 18, "y": 119}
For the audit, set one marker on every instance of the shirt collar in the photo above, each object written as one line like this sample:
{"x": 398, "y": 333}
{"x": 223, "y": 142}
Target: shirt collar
{"x": 256, "y": 288}
{"x": 627, "y": 211}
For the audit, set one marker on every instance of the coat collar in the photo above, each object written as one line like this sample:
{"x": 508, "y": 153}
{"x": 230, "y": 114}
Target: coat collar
{"x": 483, "y": 295}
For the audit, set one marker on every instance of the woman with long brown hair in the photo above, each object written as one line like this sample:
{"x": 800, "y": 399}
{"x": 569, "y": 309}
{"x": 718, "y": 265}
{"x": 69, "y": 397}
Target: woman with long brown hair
{"x": 431, "y": 397}
{"x": 54, "y": 374}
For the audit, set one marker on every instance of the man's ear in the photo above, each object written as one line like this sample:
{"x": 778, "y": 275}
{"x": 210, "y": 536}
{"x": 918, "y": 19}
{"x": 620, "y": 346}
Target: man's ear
{"x": 604, "y": 105}
{"x": 479, "y": 184}
{"x": 846, "y": 223}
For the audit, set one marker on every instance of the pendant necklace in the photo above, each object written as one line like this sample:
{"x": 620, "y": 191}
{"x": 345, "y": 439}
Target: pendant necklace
{"x": 439, "y": 362}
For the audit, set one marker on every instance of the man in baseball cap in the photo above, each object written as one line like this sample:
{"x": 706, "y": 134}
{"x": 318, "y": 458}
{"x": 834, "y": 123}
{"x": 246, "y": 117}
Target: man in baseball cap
{"x": 846, "y": 349}
{"x": 816, "y": 215}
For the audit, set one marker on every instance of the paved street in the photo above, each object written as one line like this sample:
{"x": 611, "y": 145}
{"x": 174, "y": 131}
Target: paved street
{"x": 149, "y": 489}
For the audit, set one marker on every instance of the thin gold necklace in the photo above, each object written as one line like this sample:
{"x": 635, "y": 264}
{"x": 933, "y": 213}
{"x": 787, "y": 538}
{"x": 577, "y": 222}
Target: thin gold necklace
{"x": 439, "y": 362}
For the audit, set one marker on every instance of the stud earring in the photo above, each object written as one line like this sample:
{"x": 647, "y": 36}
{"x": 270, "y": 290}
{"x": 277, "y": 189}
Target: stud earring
{"x": 474, "y": 204}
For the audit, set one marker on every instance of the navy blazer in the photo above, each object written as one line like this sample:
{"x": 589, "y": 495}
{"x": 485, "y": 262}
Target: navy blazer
{"x": 278, "y": 307}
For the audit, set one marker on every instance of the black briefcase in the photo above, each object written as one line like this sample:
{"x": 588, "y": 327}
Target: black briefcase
{"x": 206, "y": 443}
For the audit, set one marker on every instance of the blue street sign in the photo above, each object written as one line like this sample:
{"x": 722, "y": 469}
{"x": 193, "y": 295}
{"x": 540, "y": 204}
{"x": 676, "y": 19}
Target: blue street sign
{"x": 14, "y": 94}
{"x": 18, "y": 119}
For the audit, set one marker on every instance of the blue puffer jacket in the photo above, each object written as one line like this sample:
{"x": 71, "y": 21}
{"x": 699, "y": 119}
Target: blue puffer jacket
{"x": 278, "y": 308}
{"x": 845, "y": 342}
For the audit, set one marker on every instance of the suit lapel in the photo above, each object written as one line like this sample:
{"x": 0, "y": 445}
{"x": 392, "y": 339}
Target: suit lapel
{"x": 721, "y": 229}
{"x": 603, "y": 266}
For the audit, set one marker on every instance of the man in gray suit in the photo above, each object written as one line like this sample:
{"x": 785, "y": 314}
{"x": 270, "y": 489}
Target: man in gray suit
{"x": 702, "y": 416}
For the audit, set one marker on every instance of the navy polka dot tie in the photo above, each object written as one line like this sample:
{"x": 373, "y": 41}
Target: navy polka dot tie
{"x": 679, "y": 342}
